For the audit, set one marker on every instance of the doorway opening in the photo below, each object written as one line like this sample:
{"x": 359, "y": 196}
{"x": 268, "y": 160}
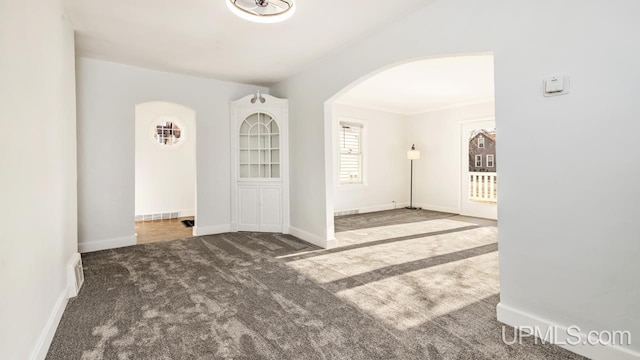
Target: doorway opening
{"x": 424, "y": 104}
{"x": 165, "y": 171}
{"x": 440, "y": 257}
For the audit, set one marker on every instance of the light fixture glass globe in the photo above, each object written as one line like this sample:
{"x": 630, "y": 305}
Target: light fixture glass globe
{"x": 264, "y": 12}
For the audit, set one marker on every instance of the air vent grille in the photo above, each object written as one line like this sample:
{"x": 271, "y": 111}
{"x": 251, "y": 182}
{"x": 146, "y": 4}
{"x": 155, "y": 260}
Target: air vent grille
{"x": 158, "y": 216}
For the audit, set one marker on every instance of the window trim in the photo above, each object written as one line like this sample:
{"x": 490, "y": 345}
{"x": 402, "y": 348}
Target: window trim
{"x": 481, "y": 144}
{"x": 493, "y": 164}
{"x": 363, "y": 153}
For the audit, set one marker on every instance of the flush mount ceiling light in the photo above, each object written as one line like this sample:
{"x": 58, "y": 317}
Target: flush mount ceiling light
{"x": 262, "y": 11}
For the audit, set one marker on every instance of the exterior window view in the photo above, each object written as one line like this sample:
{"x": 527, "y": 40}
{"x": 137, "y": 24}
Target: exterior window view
{"x": 167, "y": 133}
{"x": 482, "y": 166}
{"x": 350, "y": 153}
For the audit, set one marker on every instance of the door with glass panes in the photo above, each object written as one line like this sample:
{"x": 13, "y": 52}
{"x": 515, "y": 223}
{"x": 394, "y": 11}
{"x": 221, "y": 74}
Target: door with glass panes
{"x": 259, "y": 197}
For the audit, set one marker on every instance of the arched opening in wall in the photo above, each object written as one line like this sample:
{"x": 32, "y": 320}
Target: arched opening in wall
{"x": 165, "y": 171}
{"x": 425, "y": 258}
{"x": 441, "y": 108}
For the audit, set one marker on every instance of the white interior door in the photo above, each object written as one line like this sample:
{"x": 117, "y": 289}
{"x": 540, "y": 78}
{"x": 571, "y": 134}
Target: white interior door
{"x": 478, "y": 193}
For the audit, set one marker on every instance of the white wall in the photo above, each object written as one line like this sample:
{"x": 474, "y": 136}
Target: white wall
{"x": 107, "y": 96}
{"x": 569, "y": 246}
{"x": 386, "y": 168}
{"x": 38, "y": 173}
{"x": 437, "y": 135}
{"x": 165, "y": 175}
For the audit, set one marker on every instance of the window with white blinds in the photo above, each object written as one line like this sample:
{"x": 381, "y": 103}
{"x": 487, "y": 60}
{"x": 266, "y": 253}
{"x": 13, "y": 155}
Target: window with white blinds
{"x": 350, "y": 153}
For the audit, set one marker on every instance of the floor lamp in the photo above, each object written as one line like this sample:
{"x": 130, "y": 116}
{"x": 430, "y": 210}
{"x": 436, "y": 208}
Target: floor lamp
{"x": 412, "y": 154}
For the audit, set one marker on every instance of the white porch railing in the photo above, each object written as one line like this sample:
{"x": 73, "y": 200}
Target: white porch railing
{"x": 483, "y": 186}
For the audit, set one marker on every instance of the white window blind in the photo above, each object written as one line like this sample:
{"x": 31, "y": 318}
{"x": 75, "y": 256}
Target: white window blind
{"x": 350, "y": 153}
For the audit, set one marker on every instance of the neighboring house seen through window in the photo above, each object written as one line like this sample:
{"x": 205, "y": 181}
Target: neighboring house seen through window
{"x": 350, "y": 153}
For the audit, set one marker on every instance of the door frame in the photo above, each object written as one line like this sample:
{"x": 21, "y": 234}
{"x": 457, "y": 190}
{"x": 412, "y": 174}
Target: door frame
{"x": 191, "y": 135}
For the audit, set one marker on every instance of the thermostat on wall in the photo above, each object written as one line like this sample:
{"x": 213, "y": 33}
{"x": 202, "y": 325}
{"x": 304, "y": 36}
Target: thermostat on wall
{"x": 555, "y": 85}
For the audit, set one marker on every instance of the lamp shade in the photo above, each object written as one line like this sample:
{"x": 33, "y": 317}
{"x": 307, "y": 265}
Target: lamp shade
{"x": 413, "y": 154}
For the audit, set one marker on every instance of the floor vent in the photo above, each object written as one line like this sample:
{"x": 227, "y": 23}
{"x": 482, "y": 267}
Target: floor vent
{"x": 346, "y": 212}
{"x": 159, "y": 216}
{"x": 76, "y": 275}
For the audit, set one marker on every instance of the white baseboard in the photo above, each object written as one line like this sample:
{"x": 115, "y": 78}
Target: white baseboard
{"x": 332, "y": 243}
{"x": 374, "y": 208}
{"x": 520, "y": 319}
{"x": 432, "y": 207}
{"x": 312, "y": 238}
{"x": 46, "y": 337}
{"x": 165, "y": 215}
{"x": 186, "y": 213}
{"x": 211, "y": 230}
{"x": 91, "y": 246}
{"x": 400, "y": 205}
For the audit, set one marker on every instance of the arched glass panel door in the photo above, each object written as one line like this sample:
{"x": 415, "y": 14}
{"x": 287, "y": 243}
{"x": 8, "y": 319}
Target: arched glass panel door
{"x": 259, "y": 147}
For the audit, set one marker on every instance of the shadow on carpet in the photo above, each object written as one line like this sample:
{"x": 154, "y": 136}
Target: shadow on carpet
{"x": 234, "y": 296}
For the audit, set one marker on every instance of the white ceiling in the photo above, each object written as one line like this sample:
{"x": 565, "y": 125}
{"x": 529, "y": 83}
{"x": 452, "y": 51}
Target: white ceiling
{"x": 202, "y": 37}
{"x": 426, "y": 85}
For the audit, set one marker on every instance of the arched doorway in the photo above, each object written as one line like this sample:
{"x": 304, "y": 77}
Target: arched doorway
{"x": 422, "y": 102}
{"x": 165, "y": 171}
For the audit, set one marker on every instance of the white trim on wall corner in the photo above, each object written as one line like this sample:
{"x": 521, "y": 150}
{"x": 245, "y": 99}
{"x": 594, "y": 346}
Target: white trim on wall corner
{"x": 520, "y": 319}
{"x": 312, "y": 238}
{"x": 211, "y": 230}
{"x": 91, "y": 246}
{"x": 46, "y": 337}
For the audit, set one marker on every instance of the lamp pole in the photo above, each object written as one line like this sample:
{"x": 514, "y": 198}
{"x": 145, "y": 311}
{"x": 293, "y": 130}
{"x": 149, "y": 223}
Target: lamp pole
{"x": 412, "y": 154}
{"x": 411, "y": 188}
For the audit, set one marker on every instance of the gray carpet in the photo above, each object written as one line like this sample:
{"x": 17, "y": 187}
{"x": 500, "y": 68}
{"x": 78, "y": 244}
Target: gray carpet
{"x": 387, "y": 217}
{"x": 420, "y": 290}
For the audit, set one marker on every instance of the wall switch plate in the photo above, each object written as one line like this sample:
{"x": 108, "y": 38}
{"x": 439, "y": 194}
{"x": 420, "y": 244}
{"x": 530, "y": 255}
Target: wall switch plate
{"x": 555, "y": 85}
